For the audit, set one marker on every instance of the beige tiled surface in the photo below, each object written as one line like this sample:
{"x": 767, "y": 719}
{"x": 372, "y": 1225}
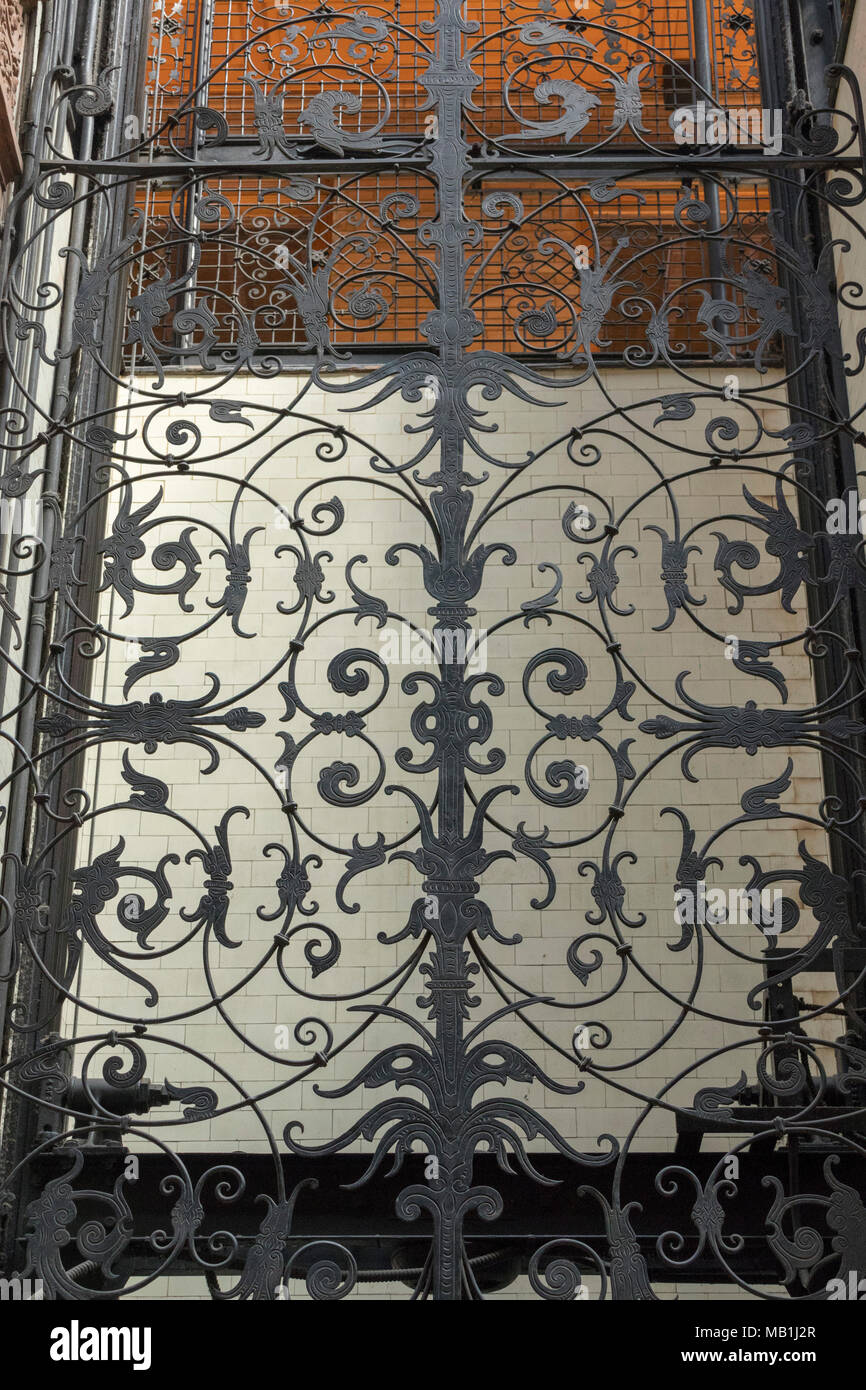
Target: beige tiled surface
{"x": 638, "y": 1014}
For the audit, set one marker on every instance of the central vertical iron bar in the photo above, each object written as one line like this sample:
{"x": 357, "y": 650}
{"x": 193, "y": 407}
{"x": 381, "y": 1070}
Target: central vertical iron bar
{"x": 448, "y": 81}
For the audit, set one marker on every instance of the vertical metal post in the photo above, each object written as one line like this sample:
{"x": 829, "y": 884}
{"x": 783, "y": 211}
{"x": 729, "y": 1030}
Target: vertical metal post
{"x": 114, "y": 35}
{"x": 796, "y": 43}
{"x": 704, "y": 69}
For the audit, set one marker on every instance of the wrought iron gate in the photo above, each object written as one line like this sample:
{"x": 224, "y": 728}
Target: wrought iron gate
{"x": 448, "y": 208}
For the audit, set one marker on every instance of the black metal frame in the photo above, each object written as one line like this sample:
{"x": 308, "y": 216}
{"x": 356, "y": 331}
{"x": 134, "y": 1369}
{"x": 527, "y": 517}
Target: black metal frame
{"x": 467, "y": 1225}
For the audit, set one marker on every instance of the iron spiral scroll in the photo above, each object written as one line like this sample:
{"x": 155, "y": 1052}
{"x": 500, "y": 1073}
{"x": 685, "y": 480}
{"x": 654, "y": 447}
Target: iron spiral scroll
{"x": 430, "y": 191}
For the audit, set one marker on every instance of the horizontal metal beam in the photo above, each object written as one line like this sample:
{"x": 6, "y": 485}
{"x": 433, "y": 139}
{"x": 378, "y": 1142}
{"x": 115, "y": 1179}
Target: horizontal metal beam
{"x": 365, "y": 1221}
{"x": 734, "y": 165}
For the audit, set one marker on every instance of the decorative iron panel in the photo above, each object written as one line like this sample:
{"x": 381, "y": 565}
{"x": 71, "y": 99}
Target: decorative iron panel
{"x": 483, "y": 217}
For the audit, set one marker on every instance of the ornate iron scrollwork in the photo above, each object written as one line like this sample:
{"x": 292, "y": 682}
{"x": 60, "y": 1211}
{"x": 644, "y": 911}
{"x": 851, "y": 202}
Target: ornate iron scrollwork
{"x": 494, "y": 205}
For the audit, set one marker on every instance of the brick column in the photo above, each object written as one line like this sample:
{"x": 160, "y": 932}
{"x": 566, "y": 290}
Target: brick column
{"x": 12, "y": 28}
